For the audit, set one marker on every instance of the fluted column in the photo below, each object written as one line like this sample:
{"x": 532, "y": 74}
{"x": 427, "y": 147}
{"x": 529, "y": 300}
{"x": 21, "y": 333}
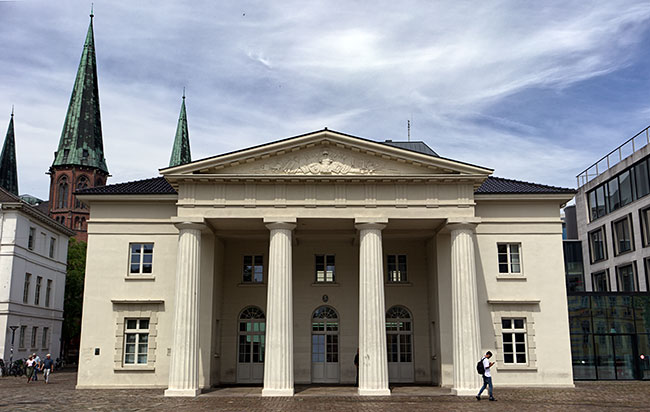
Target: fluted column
{"x": 373, "y": 359}
{"x": 278, "y": 363}
{"x": 465, "y": 324}
{"x": 184, "y": 366}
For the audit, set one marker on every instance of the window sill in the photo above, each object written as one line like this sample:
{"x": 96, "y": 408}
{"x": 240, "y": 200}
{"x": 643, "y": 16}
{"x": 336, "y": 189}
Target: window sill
{"x": 251, "y": 285}
{"x": 511, "y": 277}
{"x": 318, "y": 284}
{"x": 140, "y": 277}
{"x": 135, "y": 369}
{"x": 399, "y": 284}
{"x": 623, "y": 253}
{"x": 515, "y": 368}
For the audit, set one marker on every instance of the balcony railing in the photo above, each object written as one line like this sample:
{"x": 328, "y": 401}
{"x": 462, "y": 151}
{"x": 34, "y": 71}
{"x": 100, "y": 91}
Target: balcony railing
{"x": 614, "y": 157}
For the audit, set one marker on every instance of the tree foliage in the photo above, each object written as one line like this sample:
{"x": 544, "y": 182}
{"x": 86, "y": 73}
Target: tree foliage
{"x": 74, "y": 291}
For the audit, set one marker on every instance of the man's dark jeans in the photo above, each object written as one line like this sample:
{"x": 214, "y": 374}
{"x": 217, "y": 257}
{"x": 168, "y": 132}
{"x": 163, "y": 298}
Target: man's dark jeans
{"x": 487, "y": 382}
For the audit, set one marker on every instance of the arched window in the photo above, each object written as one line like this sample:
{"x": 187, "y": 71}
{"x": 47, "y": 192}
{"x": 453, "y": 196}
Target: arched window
{"x": 82, "y": 224}
{"x": 325, "y": 345}
{"x": 252, "y": 329}
{"x": 77, "y": 222}
{"x": 399, "y": 341}
{"x": 63, "y": 220}
{"x": 82, "y": 183}
{"x": 62, "y": 193}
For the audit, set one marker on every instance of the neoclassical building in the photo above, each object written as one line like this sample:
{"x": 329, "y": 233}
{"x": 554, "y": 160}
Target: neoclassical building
{"x": 273, "y": 264}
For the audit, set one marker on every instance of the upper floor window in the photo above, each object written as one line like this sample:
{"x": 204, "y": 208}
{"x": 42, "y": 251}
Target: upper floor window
{"x": 396, "y": 265}
{"x": 82, "y": 183}
{"x": 28, "y": 278}
{"x": 597, "y": 202}
{"x": 622, "y": 235}
{"x": 37, "y": 291}
{"x": 253, "y": 269}
{"x": 514, "y": 340}
{"x": 34, "y": 335}
{"x": 641, "y": 179}
{"x": 30, "y": 239}
{"x": 136, "y": 341}
{"x": 626, "y": 280}
{"x": 325, "y": 268}
{"x": 600, "y": 281}
{"x": 21, "y": 336}
{"x": 509, "y": 257}
{"x": 62, "y": 193}
{"x": 52, "y": 246}
{"x": 44, "y": 339}
{"x": 48, "y": 292}
{"x": 645, "y": 226}
{"x": 597, "y": 244}
{"x": 141, "y": 257}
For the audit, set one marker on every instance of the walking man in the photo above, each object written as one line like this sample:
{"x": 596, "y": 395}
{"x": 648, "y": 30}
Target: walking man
{"x": 37, "y": 365}
{"x": 48, "y": 366}
{"x": 487, "y": 377}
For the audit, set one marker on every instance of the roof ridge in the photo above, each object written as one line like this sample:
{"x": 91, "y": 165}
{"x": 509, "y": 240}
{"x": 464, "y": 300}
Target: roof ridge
{"x": 529, "y": 183}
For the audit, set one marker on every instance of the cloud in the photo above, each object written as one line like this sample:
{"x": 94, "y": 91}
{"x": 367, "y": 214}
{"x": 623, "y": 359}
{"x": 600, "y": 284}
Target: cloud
{"x": 257, "y": 72}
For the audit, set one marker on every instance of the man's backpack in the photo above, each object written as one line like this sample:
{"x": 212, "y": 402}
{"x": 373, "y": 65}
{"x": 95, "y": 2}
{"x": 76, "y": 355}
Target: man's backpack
{"x": 480, "y": 368}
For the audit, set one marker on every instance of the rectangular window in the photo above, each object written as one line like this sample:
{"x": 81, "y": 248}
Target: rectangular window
{"x": 514, "y": 341}
{"x": 48, "y": 292}
{"x": 600, "y": 281}
{"x": 28, "y": 278}
{"x": 597, "y": 244}
{"x": 141, "y": 258}
{"x": 625, "y": 187}
{"x": 37, "y": 291}
{"x": 622, "y": 236}
{"x": 593, "y": 205}
{"x": 30, "y": 240}
{"x": 21, "y": 337}
{"x": 626, "y": 280}
{"x": 136, "y": 341}
{"x": 52, "y": 246}
{"x": 645, "y": 226}
{"x": 253, "y": 269}
{"x": 601, "y": 201}
{"x": 396, "y": 265}
{"x": 613, "y": 200}
{"x": 44, "y": 339}
{"x": 34, "y": 335}
{"x": 325, "y": 268}
{"x": 509, "y": 257}
{"x": 641, "y": 179}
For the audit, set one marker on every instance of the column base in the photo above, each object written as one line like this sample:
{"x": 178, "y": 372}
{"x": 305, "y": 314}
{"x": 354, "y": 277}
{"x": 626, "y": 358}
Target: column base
{"x": 182, "y": 392}
{"x": 277, "y": 392}
{"x": 464, "y": 392}
{"x": 373, "y": 392}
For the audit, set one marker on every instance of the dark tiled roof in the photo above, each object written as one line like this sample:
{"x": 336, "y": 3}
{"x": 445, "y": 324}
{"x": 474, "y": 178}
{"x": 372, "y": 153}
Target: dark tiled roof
{"x": 419, "y": 147}
{"x": 499, "y": 185}
{"x": 153, "y": 186}
{"x": 9, "y": 198}
{"x": 44, "y": 207}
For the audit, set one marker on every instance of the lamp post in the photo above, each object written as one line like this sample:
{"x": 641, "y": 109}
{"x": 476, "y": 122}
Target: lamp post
{"x": 13, "y": 334}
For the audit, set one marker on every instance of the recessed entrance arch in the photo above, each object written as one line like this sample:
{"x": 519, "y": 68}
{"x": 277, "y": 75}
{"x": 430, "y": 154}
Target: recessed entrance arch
{"x": 399, "y": 339}
{"x": 250, "y": 357}
{"x": 325, "y": 345}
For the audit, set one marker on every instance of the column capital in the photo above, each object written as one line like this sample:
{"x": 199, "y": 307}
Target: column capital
{"x": 371, "y": 223}
{"x": 288, "y": 223}
{"x": 461, "y": 226}
{"x": 197, "y": 223}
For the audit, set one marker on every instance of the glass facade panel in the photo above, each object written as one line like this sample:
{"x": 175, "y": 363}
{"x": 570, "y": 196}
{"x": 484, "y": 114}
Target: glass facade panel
{"x": 622, "y": 236}
{"x": 582, "y": 354}
{"x": 600, "y": 199}
{"x": 593, "y": 206}
{"x": 605, "y": 365}
{"x": 641, "y": 179}
{"x": 613, "y": 198}
{"x": 625, "y": 187}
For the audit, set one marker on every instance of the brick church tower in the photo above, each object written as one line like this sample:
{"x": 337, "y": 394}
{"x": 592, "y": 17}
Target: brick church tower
{"x": 79, "y": 160}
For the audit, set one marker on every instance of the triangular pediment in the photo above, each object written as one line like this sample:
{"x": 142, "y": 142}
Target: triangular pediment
{"x": 326, "y": 153}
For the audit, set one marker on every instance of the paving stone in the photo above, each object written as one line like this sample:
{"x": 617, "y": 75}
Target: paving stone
{"x": 61, "y": 395}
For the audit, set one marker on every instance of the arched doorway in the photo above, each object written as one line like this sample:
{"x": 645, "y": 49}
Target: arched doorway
{"x": 250, "y": 352}
{"x": 399, "y": 339}
{"x": 325, "y": 345}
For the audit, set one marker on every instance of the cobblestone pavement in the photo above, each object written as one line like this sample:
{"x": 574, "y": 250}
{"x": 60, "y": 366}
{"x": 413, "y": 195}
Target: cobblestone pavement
{"x": 60, "y": 395}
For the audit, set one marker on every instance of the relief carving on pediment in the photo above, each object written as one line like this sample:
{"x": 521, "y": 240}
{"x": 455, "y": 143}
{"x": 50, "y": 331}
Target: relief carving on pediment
{"x": 323, "y": 162}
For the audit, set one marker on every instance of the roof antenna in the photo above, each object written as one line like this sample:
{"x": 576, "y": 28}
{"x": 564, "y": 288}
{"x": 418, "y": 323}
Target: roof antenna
{"x": 408, "y": 129}
{"x": 92, "y": 6}
{"x": 12, "y": 110}
{"x": 183, "y": 92}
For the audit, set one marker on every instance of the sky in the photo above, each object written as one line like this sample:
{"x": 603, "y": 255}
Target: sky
{"x": 537, "y": 91}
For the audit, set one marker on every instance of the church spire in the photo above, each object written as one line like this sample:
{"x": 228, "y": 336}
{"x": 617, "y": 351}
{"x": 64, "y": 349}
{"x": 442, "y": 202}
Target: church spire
{"x": 8, "y": 170}
{"x": 81, "y": 142}
{"x": 181, "y": 151}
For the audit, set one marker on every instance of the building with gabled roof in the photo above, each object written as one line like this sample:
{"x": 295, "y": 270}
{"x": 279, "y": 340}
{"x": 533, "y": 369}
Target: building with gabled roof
{"x": 271, "y": 265}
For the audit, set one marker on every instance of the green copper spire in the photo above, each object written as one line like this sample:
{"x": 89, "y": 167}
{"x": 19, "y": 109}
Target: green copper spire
{"x": 8, "y": 170}
{"x": 81, "y": 141}
{"x": 181, "y": 151}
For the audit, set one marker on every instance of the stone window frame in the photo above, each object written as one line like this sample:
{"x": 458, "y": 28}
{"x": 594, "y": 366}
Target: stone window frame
{"x": 509, "y": 254}
{"x": 324, "y": 256}
{"x": 135, "y": 310}
{"x": 635, "y": 276}
{"x": 253, "y": 265}
{"x": 531, "y": 344}
{"x": 405, "y": 277}
{"x": 627, "y": 221}
{"x": 140, "y": 274}
{"x": 592, "y": 248}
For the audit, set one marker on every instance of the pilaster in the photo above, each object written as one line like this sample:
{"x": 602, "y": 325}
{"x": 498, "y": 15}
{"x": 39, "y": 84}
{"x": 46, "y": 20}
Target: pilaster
{"x": 373, "y": 358}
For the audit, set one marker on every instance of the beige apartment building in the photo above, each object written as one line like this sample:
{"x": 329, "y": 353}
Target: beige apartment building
{"x": 271, "y": 265}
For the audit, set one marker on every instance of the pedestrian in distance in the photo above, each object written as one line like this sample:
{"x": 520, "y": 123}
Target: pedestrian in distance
{"x": 37, "y": 365}
{"x": 356, "y": 364}
{"x": 483, "y": 368}
{"x": 30, "y": 368}
{"x": 48, "y": 367}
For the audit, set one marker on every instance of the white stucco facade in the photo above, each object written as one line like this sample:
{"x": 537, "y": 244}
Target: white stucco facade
{"x": 346, "y": 232}
{"x": 33, "y": 255}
